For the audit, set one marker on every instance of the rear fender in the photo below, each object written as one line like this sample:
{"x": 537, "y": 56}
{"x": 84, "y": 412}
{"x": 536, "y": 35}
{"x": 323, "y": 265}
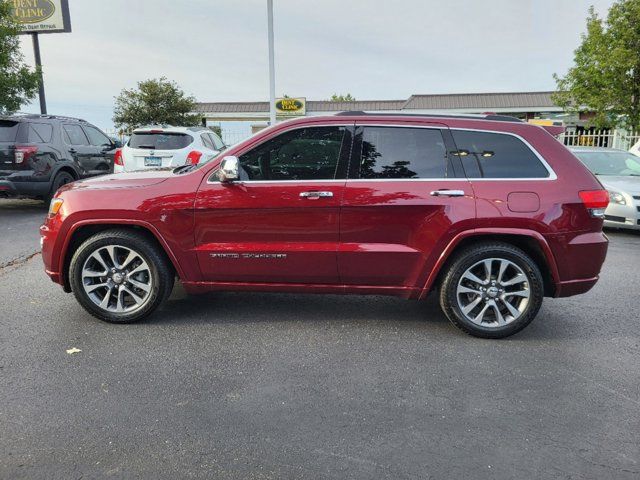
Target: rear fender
{"x": 486, "y": 232}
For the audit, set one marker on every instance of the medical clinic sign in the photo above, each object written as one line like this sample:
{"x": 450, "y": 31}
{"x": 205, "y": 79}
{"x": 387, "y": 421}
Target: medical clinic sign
{"x": 42, "y": 16}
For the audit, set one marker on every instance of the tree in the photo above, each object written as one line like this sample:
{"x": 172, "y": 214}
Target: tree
{"x": 606, "y": 76}
{"x": 18, "y": 83}
{"x": 155, "y": 101}
{"x": 342, "y": 98}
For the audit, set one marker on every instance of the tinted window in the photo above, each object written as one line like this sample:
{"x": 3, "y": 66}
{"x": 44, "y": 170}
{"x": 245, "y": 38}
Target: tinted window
{"x": 496, "y": 155}
{"x": 610, "y": 163}
{"x": 398, "y": 152}
{"x": 302, "y": 154}
{"x": 8, "y": 130}
{"x": 73, "y": 135}
{"x": 206, "y": 141}
{"x": 96, "y": 137}
{"x": 40, "y": 133}
{"x": 160, "y": 141}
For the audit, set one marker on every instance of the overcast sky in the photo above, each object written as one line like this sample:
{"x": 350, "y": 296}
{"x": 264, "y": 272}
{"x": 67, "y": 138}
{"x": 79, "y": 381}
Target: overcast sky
{"x": 217, "y": 49}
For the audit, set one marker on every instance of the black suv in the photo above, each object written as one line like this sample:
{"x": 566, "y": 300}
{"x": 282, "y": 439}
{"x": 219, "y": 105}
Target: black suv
{"x": 40, "y": 153}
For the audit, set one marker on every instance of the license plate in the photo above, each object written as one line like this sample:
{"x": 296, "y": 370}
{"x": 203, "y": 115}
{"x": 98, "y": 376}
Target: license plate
{"x": 152, "y": 161}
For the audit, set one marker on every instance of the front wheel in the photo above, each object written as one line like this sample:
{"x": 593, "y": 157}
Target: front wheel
{"x": 120, "y": 276}
{"x": 492, "y": 290}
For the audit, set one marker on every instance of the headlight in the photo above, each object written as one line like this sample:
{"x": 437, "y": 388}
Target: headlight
{"x": 617, "y": 198}
{"x": 54, "y": 206}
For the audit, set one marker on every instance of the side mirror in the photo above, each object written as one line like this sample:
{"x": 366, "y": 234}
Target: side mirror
{"x": 228, "y": 171}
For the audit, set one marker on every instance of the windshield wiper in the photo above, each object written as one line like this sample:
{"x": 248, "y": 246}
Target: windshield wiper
{"x": 184, "y": 169}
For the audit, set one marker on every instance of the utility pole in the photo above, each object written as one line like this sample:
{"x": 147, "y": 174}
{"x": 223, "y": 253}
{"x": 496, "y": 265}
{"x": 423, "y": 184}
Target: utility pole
{"x": 272, "y": 73}
{"x": 36, "y": 55}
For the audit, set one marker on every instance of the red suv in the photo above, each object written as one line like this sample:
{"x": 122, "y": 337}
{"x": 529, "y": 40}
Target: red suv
{"x": 491, "y": 213}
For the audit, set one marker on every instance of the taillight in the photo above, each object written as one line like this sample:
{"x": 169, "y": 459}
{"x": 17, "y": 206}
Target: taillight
{"x": 595, "y": 201}
{"x": 193, "y": 158}
{"x": 117, "y": 158}
{"x": 24, "y": 153}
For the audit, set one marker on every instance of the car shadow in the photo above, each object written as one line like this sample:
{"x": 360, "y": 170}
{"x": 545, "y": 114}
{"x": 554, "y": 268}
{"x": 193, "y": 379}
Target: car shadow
{"x": 253, "y": 307}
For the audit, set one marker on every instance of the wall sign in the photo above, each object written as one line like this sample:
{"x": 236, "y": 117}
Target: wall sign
{"x": 42, "y": 16}
{"x": 291, "y": 107}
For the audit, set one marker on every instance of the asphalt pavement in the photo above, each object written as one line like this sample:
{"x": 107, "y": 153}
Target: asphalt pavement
{"x": 274, "y": 386}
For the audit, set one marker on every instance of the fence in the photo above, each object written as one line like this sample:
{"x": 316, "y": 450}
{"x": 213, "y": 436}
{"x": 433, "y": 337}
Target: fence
{"x": 601, "y": 138}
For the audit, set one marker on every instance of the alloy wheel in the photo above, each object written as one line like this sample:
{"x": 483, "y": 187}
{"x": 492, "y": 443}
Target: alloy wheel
{"x": 493, "y": 292}
{"x": 117, "y": 279}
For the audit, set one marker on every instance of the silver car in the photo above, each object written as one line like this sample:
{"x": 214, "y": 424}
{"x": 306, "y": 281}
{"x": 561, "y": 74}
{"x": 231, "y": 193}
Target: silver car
{"x": 619, "y": 172}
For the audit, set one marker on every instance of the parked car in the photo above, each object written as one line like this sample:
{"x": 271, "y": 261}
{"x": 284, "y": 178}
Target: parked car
{"x": 40, "y": 153}
{"x": 167, "y": 147}
{"x": 491, "y": 213}
{"x": 619, "y": 172}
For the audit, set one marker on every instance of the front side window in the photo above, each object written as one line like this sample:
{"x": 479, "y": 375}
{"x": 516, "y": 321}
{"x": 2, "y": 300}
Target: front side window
{"x": 96, "y": 137}
{"x": 402, "y": 153}
{"x": 73, "y": 135}
{"x": 496, "y": 155}
{"x": 301, "y": 154}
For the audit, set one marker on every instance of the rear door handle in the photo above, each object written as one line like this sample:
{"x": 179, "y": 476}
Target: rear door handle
{"x": 448, "y": 193}
{"x": 316, "y": 194}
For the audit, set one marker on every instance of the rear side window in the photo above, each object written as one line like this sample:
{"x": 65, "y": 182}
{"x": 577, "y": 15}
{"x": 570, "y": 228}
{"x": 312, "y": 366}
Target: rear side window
{"x": 8, "y": 131}
{"x": 73, "y": 135}
{"x": 400, "y": 152}
{"x": 206, "y": 141}
{"x": 160, "y": 141}
{"x": 496, "y": 155}
{"x": 218, "y": 144}
{"x": 40, "y": 133}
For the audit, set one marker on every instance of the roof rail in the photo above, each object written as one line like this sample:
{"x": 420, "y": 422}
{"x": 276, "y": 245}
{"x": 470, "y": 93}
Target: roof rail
{"x": 492, "y": 117}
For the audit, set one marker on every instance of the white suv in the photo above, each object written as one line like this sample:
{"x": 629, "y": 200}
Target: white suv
{"x": 167, "y": 147}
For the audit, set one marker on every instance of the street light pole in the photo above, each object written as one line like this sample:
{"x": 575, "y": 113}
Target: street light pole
{"x": 272, "y": 73}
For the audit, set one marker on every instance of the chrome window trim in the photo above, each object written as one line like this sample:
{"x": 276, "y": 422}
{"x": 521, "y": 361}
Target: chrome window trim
{"x": 552, "y": 173}
{"x": 296, "y": 127}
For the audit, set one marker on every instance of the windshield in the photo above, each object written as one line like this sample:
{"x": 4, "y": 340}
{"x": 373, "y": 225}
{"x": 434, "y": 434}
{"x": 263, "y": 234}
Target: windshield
{"x": 611, "y": 163}
{"x": 8, "y": 130}
{"x": 160, "y": 141}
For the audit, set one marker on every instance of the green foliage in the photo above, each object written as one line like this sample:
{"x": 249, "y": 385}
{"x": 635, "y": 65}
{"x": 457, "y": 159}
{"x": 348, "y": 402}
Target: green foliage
{"x": 18, "y": 83}
{"x": 342, "y": 98}
{"x": 606, "y": 75}
{"x": 154, "y": 102}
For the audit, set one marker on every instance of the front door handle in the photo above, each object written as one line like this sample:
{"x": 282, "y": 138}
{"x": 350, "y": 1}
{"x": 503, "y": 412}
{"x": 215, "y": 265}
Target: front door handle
{"x": 316, "y": 194}
{"x": 448, "y": 193}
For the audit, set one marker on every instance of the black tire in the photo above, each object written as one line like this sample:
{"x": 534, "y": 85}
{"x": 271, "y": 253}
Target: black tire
{"x": 61, "y": 178}
{"x": 161, "y": 273}
{"x": 466, "y": 259}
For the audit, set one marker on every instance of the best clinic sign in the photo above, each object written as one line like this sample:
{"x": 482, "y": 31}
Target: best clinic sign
{"x": 42, "y": 16}
{"x": 291, "y": 107}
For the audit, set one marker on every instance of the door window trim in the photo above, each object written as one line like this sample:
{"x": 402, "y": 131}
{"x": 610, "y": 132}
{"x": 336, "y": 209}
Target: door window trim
{"x": 456, "y": 164}
{"x": 349, "y": 131}
{"x": 552, "y": 173}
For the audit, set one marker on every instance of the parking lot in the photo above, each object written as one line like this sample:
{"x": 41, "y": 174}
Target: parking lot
{"x": 251, "y": 385}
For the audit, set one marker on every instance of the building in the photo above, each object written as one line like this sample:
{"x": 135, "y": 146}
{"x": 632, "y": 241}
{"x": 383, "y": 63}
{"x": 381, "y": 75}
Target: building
{"x": 238, "y": 120}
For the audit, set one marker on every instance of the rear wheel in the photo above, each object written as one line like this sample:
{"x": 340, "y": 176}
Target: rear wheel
{"x": 61, "y": 178}
{"x": 120, "y": 276}
{"x": 492, "y": 290}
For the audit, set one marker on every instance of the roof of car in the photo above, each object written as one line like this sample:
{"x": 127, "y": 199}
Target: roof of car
{"x": 42, "y": 117}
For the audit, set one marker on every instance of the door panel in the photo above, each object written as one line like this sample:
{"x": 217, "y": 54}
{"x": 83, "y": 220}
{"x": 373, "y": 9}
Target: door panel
{"x": 393, "y": 229}
{"x": 268, "y": 229}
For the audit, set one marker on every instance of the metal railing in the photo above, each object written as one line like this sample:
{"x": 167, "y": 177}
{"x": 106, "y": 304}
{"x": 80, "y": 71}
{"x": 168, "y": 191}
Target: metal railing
{"x": 620, "y": 139}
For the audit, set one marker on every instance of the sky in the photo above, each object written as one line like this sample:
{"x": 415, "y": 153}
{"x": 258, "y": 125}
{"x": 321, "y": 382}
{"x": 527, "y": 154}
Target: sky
{"x": 216, "y": 50}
